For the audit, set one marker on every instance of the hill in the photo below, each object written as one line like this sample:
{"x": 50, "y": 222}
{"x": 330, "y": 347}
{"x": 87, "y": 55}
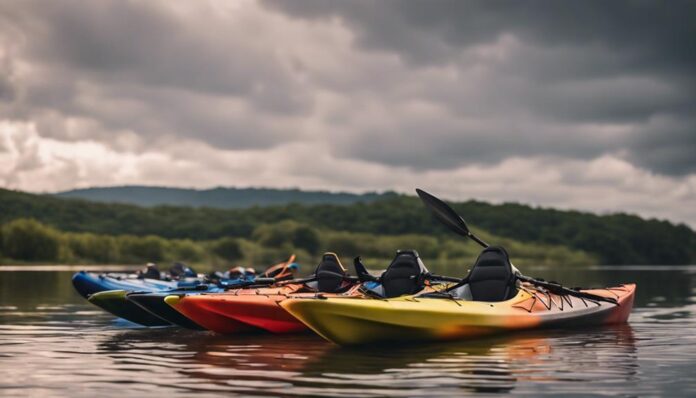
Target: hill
{"x": 612, "y": 239}
{"x": 225, "y": 198}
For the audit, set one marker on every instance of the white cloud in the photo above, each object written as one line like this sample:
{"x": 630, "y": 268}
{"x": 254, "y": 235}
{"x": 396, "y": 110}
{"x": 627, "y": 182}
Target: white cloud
{"x": 604, "y": 185}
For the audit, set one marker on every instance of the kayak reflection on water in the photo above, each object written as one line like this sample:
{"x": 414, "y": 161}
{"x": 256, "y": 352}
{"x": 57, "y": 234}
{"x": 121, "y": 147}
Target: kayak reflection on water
{"x": 268, "y": 364}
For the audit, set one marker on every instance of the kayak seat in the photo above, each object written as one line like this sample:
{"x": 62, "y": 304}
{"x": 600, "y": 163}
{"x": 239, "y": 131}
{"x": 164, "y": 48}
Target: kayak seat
{"x": 330, "y": 274}
{"x": 151, "y": 272}
{"x": 405, "y": 275}
{"x": 491, "y": 278}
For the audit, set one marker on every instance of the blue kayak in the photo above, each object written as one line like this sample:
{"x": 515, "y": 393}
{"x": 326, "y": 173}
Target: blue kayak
{"x": 102, "y": 290}
{"x": 89, "y": 283}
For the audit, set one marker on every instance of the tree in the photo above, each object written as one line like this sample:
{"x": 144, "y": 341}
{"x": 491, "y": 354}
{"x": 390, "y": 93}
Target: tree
{"x": 142, "y": 249}
{"x": 91, "y": 247}
{"x": 228, "y": 249}
{"x": 307, "y": 238}
{"x": 29, "y": 240}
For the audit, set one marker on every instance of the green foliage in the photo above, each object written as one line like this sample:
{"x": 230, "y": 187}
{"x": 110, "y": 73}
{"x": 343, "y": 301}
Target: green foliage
{"x": 288, "y": 234}
{"x": 186, "y": 250}
{"x": 216, "y": 197}
{"x": 93, "y": 248}
{"x": 228, "y": 249}
{"x": 306, "y": 238}
{"x": 612, "y": 239}
{"x": 29, "y": 240}
{"x": 140, "y": 249}
{"x": 345, "y": 243}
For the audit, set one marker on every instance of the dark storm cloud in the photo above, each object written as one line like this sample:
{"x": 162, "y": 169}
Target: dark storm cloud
{"x": 130, "y": 42}
{"x": 649, "y": 33}
{"x": 575, "y": 64}
{"x": 673, "y": 151}
{"x": 145, "y": 68}
{"x": 422, "y": 84}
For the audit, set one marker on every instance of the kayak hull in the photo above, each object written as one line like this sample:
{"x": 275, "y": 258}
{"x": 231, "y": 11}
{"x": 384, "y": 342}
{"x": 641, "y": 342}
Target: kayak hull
{"x": 351, "y": 321}
{"x": 243, "y": 310}
{"x": 260, "y": 311}
{"x": 114, "y": 301}
{"x": 154, "y": 303}
{"x": 200, "y": 313}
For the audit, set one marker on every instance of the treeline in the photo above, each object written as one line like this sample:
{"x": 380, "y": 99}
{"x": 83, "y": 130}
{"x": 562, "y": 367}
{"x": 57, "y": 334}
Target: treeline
{"x": 27, "y": 240}
{"x": 611, "y": 239}
{"x": 225, "y": 198}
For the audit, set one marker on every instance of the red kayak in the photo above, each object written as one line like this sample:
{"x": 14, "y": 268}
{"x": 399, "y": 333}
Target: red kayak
{"x": 255, "y": 309}
{"x": 239, "y": 311}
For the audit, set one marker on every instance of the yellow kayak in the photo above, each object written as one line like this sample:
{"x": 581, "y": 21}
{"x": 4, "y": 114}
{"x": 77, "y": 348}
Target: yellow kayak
{"x": 348, "y": 321}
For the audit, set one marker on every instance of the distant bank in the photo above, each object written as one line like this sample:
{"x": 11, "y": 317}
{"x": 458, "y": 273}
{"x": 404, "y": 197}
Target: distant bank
{"x": 223, "y": 198}
{"x": 373, "y": 225}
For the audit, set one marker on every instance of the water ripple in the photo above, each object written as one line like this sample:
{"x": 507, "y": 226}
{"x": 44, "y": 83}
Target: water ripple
{"x": 64, "y": 347}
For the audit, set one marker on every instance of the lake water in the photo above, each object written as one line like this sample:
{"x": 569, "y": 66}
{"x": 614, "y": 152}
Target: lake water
{"x": 54, "y": 343}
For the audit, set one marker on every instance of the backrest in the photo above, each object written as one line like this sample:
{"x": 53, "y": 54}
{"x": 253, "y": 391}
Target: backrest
{"x": 177, "y": 270}
{"x": 151, "y": 272}
{"x": 330, "y": 274}
{"x": 405, "y": 274}
{"x": 491, "y": 278}
{"x": 236, "y": 272}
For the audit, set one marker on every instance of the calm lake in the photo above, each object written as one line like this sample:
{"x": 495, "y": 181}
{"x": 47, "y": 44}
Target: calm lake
{"x": 54, "y": 343}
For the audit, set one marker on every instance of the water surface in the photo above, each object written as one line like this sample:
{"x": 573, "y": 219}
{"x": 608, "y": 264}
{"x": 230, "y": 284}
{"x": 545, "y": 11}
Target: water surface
{"x": 54, "y": 343}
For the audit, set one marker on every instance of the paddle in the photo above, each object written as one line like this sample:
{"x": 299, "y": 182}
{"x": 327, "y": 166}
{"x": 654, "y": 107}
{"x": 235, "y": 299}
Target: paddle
{"x": 448, "y": 216}
{"x": 445, "y": 214}
{"x": 272, "y": 275}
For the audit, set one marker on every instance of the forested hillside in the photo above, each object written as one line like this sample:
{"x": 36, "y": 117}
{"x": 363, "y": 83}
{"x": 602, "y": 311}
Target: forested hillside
{"x": 612, "y": 239}
{"x": 225, "y": 198}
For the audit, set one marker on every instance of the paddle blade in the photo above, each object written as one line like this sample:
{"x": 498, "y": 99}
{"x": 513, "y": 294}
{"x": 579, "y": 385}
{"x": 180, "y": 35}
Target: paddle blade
{"x": 444, "y": 213}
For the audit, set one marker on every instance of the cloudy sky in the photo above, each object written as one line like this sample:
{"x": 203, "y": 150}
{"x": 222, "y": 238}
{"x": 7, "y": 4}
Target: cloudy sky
{"x": 588, "y": 104}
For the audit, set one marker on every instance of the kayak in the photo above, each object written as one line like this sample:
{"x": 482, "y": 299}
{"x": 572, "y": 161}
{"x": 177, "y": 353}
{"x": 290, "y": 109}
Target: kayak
{"x": 88, "y": 283}
{"x": 352, "y": 321}
{"x": 135, "y": 309}
{"x": 495, "y": 297}
{"x": 240, "y": 311}
{"x": 108, "y": 291}
{"x": 153, "y": 303}
{"x": 256, "y": 309}
{"x": 114, "y": 301}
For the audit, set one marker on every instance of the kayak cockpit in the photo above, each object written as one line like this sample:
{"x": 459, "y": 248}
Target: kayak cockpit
{"x": 491, "y": 279}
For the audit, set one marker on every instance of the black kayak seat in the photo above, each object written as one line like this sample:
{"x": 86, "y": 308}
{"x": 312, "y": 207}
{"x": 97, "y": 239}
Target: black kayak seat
{"x": 491, "y": 278}
{"x": 330, "y": 274}
{"x": 405, "y": 275}
{"x": 151, "y": 272}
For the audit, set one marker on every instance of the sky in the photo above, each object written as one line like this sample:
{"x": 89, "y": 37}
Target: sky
{"x": 586, "y": 105}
